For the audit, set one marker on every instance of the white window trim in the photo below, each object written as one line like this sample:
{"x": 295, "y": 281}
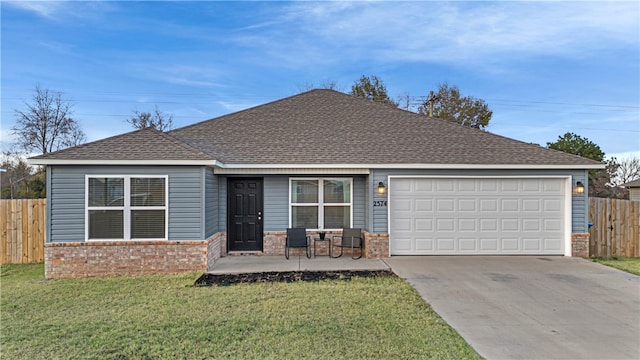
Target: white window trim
{"x": 321, "y": 204}
{"x": 127, "y": 208}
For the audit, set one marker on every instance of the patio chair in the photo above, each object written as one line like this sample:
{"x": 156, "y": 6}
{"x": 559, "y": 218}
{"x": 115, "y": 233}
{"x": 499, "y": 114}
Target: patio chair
{"x": 350, "y": 238}
{"x": 297, "y": 238}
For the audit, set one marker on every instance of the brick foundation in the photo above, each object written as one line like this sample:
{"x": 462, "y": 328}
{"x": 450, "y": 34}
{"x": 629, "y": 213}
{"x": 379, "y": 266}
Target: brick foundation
{"x": 580, "y": 244}
{"x": 105, "y": 258}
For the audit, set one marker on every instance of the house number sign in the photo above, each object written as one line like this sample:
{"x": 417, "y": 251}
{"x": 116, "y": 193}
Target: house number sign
{"x": 380, "y": 203}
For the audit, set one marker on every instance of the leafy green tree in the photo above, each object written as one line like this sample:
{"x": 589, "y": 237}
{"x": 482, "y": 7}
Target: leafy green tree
{"x": 575, "y": 144}
{"x": 372, "y": 88}
{"x": 156, "y": 119}
{"x": 600, "y": 180}
{"x": 450, "y": 105}
{"x": 19, "y": 181}
{"x": 46, "y": 124}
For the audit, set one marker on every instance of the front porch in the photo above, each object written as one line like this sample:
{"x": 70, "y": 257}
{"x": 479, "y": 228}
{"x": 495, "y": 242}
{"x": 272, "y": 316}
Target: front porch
{"x": 254, "y": 264}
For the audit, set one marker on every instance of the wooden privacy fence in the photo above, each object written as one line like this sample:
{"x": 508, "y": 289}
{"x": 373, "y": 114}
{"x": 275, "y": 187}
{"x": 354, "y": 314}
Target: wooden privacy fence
{"x": 22, "y": 230}
{"x": 616, "y": 227}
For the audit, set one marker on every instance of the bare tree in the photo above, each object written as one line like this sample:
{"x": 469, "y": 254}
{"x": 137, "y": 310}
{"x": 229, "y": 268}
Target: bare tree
{"x": 628, "y": 170}
{"x": 46, "y": 124}
{"x": 327, "y": 84}
{"x": 157, "y": 120}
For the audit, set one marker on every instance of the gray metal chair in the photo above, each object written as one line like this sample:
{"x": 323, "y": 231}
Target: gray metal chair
{"x": 297, "y": 238}
{"x": 350, "y": 238}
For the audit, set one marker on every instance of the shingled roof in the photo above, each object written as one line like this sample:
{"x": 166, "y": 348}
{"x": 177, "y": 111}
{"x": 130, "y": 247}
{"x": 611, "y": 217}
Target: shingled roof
{"x": 325, "y": 127}
{"x": 146, "y": 144}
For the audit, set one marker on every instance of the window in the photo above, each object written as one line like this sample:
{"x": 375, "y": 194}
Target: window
{"x": 320, "y": 203}
{"x": 126, "y": 207}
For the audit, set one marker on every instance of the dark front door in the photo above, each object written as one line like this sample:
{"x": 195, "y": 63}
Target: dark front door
{"x": 245, "y": 214}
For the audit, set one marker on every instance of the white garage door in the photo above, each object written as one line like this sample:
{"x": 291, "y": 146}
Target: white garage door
{"x": 453, "y": 216}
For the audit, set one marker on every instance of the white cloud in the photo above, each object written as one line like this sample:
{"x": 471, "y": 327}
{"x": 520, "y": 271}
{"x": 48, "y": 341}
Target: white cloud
{"x": 46, "y": 9}
{"x": 62, "y": 11}
{"x": 468, "y": 33}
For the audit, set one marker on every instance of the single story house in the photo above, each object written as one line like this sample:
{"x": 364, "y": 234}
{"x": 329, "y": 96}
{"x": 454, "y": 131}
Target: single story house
{"x": 634, "y": 189}
{"x": 153, "y": 202}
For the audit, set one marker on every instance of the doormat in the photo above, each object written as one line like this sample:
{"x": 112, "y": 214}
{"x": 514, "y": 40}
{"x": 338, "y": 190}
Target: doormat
{"x": 287, "y": 276}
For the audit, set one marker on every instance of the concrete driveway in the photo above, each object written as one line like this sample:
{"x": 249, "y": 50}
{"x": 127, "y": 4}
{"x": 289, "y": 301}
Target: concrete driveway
{"x": 521, "y": 307}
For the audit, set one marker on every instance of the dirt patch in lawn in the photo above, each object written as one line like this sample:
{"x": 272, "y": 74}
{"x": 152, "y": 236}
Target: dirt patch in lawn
{"x": 288, "y": 276}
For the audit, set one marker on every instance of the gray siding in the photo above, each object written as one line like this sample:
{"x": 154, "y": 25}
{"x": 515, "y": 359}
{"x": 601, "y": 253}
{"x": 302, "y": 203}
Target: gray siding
{"x": 359, "y": 202}
{"x": 222, "y": 203}
{"x": 579, "y": 207}
{"x": 67, "y": 199}
{"x": 580, "y": 204}
{"x": 211, "y": 203}
{"x": 276, "y": 203}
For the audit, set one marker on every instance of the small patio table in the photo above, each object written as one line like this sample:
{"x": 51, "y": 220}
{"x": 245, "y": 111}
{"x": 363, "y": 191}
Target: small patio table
{"x": 318, "y": 239}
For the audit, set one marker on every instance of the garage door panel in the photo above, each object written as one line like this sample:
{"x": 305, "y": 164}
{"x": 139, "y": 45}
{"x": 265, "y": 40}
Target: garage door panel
{"x": 510, "y": 244}
{"x": 446, "y": 244}
{"x": 531, "y": 225}
{"x": 444, "y": 186}
{"x": 488, "y": 205}
{"x": 423, "y": 224}
{"x": 531, "y": 205}
{"x": 467, "y": 205}
{"x": 553, "y": 244}
{"x": 467, "y": 225}
{"x": 532, "y": 244}
{"x": 510, "y": 186}
{"x": 468, "y": 244}
{"x": 444, "y": 224}
{"x": 423, "y": 205}
{"x": 445, "y": 205}
{"x": 424, "y": 244}
{"x": 489, "y": 244}
{"x": 549, "y": 205}
{"x": 477, "y": 215}
{"x": 466, "y": 185}
{"x": 510, "y": 205}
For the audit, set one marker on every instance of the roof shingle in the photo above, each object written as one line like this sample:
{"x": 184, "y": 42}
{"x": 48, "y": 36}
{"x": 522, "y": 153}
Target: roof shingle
{"x": 323, "y": 127}
{"x": 145, "y": 144}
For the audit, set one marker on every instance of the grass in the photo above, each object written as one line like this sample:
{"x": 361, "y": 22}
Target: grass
{"x": 154, "y": 317}
{"x": 630, "y": 265}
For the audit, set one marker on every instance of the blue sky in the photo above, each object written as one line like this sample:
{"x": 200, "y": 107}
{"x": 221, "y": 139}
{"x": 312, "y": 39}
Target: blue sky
{"x": 544, "y": 68}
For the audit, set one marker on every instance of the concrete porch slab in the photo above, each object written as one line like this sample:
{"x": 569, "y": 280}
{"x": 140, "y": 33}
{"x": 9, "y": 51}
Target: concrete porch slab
{"x": 253, "y": 264}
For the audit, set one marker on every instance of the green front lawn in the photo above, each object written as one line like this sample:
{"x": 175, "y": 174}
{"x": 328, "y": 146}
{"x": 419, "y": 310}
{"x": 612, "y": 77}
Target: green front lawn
{"x": 163, "y": 317}
{"x": 630, "y": 265}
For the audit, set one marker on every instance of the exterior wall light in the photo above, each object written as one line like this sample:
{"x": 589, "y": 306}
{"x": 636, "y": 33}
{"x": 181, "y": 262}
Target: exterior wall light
{"x": 381, "y": 188}
{"x": 579, "y": 189}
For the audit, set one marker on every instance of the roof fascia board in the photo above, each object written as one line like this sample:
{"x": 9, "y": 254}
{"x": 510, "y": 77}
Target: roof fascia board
{"x": 289, "y": 170}
{"x": 122, "y": 162}
{"x": 254, "y": 167}
{"x": 413, "y": 166}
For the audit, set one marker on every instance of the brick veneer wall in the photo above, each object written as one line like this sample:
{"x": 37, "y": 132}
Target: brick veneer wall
{"x": 104, "y": 258}
{"x": 580, "y": 244}
{"x": 216, "y": 248}
{"x": 376, "y": 245}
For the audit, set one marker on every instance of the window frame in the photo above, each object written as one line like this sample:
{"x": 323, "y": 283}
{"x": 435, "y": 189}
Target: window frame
{"x": 320, "y": 205}
{"x": 126, "y": 208}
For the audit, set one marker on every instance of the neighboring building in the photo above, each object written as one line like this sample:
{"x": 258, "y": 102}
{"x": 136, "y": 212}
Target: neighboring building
{"x": 146, "y": 201}
{"x": 634, "y": 189}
